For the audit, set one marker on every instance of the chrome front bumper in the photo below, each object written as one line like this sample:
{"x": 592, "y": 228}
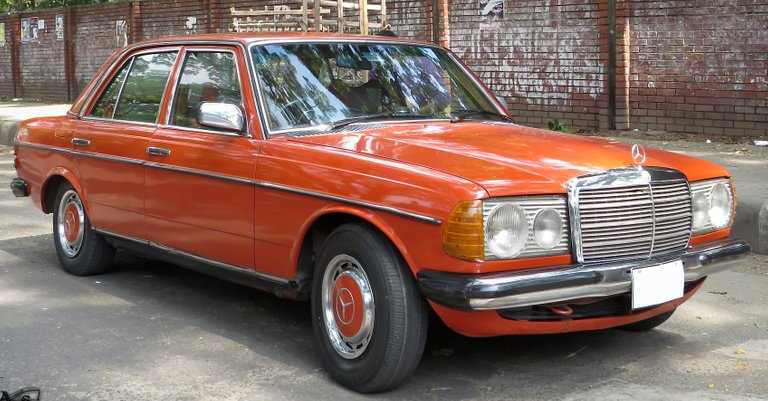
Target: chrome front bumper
{"x": 562, "y": 284}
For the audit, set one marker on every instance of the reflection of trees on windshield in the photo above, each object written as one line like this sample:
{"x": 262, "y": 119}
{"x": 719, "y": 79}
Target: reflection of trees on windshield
{"x": 294, "y": 95}
{"x": 306, "y": 85}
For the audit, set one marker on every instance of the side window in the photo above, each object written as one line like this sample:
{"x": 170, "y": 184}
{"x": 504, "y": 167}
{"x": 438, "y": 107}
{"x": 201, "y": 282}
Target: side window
{"x": 105, "y": 107}
{"x": 207, "y": 76}
{"x": 144, "y": 87}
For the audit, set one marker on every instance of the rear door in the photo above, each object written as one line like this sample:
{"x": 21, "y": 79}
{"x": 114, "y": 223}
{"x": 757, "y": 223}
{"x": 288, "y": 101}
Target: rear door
{"x": 113, "y": 137}
{"x": 199, "y": 180}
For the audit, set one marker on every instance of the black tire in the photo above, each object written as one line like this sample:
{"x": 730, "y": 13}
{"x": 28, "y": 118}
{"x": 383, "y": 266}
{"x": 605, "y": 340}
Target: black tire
{"x": 648, "y": 324}
{"x": 81, "y": 250}
{"x": 357, "y": 258}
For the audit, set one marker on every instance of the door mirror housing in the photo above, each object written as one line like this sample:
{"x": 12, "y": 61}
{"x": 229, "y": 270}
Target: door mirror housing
{"x": 224, "y": 116}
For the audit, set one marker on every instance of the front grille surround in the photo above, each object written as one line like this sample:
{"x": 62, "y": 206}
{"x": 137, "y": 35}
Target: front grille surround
{"x": 629, "y": 213}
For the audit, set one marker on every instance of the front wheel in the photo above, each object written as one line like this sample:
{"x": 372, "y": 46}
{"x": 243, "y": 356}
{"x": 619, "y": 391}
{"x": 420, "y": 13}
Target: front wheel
{"x": 368, "y": 317}
{"x": 81, "y": 250}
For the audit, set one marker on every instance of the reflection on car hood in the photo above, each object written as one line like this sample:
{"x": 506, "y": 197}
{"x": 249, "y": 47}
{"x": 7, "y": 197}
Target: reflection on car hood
{"x": 506, "y": 159}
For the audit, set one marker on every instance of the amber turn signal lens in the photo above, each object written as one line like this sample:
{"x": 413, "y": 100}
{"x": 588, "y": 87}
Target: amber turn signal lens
{"x": 463, "y": 237}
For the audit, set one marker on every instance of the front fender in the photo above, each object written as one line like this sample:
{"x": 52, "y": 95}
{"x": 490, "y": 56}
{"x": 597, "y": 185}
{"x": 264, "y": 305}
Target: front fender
{"x": 370, "y": 217}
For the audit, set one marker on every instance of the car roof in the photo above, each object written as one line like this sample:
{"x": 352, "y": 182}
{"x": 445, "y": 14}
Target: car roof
{"x": 264, "y": 37}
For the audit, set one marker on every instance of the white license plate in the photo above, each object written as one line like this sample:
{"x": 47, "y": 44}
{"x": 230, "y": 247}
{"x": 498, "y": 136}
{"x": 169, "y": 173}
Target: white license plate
{"x": 657, "y": 284}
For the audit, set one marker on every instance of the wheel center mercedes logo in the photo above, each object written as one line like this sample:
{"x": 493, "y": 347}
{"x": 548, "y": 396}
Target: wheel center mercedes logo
{"x": 69, "y": 221}
{"x": 638, "y": 154}
{"x": 345, "y": 306}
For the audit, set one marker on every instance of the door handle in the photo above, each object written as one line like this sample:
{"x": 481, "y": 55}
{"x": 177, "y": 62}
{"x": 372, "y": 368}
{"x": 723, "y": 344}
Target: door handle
{"x": 80, "y": 142}
{"x": 158, "y": 151}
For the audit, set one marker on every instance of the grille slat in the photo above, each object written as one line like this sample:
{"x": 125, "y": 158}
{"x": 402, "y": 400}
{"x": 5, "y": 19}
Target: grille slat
{"x": 639, "y": 220}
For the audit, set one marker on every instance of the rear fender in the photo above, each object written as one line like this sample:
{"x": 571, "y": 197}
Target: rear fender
{"x": 50, "y": 187}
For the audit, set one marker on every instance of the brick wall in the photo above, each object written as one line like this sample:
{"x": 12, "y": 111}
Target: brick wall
{"x": 544, "y": 58}
{"x": 411, "y": 19}
{"x": 687, "y": 65}
{"x": 42, "y": 60}
{"x": 699, "y": 66}
{"x": 6, "y": 51}
{"x": 94, "y": 38}
{"x": 173, "y": 17}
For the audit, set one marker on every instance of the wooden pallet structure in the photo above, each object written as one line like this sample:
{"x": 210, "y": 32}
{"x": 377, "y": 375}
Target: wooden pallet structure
{"x": 362, "y": 16}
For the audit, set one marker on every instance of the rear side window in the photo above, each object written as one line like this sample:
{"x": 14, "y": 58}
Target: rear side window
{"x": 137, "y": 90}
{"x": 105, "y": 107}
{"x": 207, "y": 76}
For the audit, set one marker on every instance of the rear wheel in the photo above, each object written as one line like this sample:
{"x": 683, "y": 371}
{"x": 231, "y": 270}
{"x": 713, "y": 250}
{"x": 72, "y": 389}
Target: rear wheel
{"x": 648, "y": 324}
{"x": 368, "y": 317}
{"x": 81, "y": 250}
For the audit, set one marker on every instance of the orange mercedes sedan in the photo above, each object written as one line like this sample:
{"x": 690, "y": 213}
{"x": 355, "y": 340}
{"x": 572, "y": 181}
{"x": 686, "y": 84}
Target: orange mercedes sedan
{"x": 379, "y": 179}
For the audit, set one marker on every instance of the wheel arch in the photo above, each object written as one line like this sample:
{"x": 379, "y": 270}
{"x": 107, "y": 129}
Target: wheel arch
{"x": 320, "y": 226}
{"x": 55, "y": 178}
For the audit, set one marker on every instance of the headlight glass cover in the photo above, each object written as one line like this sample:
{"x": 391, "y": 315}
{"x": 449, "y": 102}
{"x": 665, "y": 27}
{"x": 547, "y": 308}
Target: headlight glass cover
{"x": 713, "y": 205}
{"x": 530, "y": 226}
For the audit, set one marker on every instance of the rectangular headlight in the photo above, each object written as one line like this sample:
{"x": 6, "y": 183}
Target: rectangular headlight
{"x": 713, "y": 205}
{"x": 521, "y": 227}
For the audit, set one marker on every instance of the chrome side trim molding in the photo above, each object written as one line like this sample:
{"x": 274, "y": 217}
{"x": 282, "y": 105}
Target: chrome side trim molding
{"x": 176, "y": 252}
{"x": 388, "y": 209}
{"x": 92, "y": 155}
{"x": 165, "y": 167}
{"x": 245, "y": 181}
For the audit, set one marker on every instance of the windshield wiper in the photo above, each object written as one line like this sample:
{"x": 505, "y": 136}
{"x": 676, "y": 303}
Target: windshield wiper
{"x": 460, "y": 115}
{"x": 372, "y": 117}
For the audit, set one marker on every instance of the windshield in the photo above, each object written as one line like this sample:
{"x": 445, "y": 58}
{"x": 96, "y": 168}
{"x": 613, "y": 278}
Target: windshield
{"x": 315, "y": 86}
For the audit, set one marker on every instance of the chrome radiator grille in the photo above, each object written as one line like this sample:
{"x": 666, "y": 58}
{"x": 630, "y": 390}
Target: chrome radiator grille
{"x": 641, "y": 214}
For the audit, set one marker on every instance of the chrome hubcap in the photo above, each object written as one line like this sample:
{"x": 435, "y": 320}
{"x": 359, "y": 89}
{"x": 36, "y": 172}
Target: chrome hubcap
{"x": 70, "y": 223}
{"x": 348, "y": 308}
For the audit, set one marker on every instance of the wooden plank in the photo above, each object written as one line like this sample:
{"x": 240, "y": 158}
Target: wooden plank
{"x": 318, "y": 17}
{"x": 364, "y": 17}
{"x": 331, "y": 3}
{"x": 339, "y": 15}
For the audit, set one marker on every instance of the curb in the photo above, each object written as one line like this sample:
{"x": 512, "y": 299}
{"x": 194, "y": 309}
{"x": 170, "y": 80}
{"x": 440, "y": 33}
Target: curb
{"x": 8, "y": 132}
{"x": 751, "y": 224}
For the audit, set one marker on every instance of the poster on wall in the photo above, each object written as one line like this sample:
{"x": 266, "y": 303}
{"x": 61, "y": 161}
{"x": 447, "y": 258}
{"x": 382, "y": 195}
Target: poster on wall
{"x": 34, "y": 27}
{"x": 60, "y": 27}
{"x": 26, "y": 34}
{"x": 492, "y": 12}
{"x": 121, "y": 33}
{"x": 2, "y": 34}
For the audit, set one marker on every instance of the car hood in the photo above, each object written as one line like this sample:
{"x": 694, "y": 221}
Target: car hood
{"x": 506, "y": 159}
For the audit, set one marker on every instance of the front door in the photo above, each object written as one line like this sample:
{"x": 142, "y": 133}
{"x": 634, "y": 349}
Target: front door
{"x": 199, "y": 180}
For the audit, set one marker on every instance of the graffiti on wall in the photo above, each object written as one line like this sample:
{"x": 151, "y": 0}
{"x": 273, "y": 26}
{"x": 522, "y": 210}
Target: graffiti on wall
{"x": 510, "y": 58}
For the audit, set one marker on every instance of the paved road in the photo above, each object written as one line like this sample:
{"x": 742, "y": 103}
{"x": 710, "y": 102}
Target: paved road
{"x": 154, "y": 331}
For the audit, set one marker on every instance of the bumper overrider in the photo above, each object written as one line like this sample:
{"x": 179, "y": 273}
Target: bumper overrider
{"x": 561, "y": 284}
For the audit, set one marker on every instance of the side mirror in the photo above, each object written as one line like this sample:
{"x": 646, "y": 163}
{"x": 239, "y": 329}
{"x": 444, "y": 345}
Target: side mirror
{"x": 225, "y": 116}
{"x": 503, "y": 102}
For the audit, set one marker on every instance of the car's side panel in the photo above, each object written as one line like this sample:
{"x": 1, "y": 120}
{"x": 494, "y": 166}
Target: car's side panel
{"x": 292, "y": 189}
{"x": 199, "y": 197}
{"x": 110, "y": 160}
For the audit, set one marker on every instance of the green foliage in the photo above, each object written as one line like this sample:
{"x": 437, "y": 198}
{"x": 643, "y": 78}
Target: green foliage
{"x": 24, "y": 5}
{"x": 5, "y": 99}
{"x": 557, "y": 125}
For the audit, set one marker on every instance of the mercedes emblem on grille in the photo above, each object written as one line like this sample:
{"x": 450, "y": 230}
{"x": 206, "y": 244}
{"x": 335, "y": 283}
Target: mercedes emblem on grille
{"x": 638, "y": 154}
